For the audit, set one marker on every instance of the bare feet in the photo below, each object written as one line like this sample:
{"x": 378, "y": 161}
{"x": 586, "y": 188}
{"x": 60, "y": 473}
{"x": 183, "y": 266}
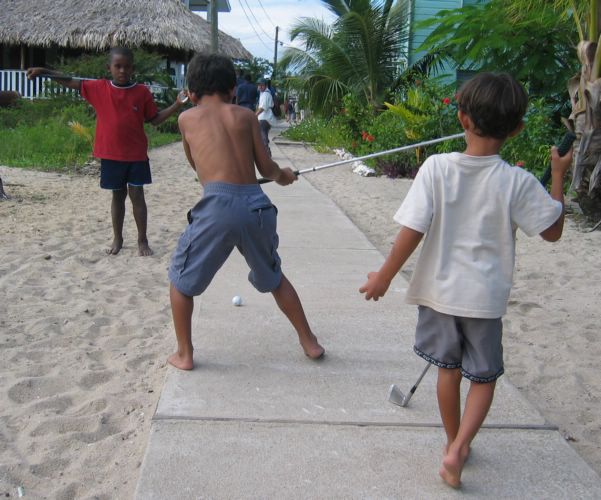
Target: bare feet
{"x": 115, "y": 247}
{"x": 452, "y": 466}
{"x": 143, "y": 248}
{"x": 312, "y": 348}
{"x": 181, "y": 362}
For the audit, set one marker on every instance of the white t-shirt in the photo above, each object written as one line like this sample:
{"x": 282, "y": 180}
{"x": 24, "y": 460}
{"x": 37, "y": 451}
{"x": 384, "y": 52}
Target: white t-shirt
{"x": 266, "y": 104}
{"x": 470, "y": 207}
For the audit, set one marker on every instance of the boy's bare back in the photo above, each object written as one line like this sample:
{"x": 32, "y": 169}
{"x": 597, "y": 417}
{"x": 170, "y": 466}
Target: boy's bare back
{"x": 223, "y": 142}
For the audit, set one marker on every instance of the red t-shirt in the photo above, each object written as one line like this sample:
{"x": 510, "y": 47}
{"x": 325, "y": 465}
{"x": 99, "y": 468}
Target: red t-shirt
{"x": 120, "y": 116}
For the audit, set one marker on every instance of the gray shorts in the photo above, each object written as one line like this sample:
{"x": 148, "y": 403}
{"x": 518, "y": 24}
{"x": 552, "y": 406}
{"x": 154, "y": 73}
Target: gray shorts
{"x": 471, "y": 344}
{"x": 227, "y": 216}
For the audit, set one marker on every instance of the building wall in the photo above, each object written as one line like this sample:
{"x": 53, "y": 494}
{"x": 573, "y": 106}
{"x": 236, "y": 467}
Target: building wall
{"x": 426, "y": 9}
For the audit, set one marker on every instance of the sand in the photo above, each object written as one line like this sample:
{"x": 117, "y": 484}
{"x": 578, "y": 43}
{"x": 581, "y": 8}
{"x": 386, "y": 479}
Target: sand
{"x": 84, "y": 336}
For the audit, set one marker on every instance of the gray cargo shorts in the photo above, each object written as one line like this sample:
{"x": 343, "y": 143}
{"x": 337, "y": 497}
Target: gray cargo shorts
{"x": 227, "y": 216}
{"x": 471, "y": 344}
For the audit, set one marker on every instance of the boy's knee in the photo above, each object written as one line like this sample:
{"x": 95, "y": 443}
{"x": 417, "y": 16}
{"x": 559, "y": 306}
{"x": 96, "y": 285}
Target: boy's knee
{"x": 136, "y": 194}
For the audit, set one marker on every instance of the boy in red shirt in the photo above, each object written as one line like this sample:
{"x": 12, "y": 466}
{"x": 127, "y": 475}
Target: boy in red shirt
{"x": 122, "y": 108}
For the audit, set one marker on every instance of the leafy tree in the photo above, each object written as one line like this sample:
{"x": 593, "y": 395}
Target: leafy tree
{"x": 537, "y": 48}
{"x": 585, "y": 92}
{"x": 533, "y": 40}
{"x": 360, "y": 53}
{"x": 256, "y": 67}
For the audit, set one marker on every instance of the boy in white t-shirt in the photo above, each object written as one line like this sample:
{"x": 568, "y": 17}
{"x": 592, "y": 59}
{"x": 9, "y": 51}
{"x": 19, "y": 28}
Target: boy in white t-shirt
{"x": 469, "y": 205}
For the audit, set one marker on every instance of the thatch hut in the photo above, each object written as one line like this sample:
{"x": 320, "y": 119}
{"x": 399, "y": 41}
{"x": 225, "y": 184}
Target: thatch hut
{"x": 29, "y": 28}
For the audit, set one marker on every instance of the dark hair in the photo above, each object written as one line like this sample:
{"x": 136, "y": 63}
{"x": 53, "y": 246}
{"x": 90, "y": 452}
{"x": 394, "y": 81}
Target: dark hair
{"x": 247, "y": 77}
{"x": 210, "y": 74}
{"x": 121, "y": 51}
{"x": 495, "y": 102}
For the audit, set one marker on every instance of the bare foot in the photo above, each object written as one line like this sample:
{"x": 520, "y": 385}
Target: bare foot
{"x": 312, "y": 348}
{"x": 451, "y": 468}
{"x": 143, "y": 248}
{"x": 181, "y": 362}
{"x": 115, "y": 247}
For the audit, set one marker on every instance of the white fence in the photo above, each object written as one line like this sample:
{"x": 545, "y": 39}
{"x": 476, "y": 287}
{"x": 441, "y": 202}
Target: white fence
{"x": 16, "y": 80}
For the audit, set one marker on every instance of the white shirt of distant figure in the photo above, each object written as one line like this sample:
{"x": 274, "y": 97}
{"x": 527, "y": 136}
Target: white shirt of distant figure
{"x": 266, "y": 104}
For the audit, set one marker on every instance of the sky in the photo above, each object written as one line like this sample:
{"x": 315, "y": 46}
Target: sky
{"x": 253, "y": 22}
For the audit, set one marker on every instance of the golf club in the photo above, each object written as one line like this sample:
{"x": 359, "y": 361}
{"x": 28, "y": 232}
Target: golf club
{"x": 182, "y": 93}
{"x": 374, "y": 155}
{"x": 396, "y": 396}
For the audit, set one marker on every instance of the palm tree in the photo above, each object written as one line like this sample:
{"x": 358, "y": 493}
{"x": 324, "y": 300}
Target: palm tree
{"x": 585, "y": 95}
{"x": 360, "y": 53}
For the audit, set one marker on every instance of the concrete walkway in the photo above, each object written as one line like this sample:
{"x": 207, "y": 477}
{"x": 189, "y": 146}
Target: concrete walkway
{"x": 257, "y": 419}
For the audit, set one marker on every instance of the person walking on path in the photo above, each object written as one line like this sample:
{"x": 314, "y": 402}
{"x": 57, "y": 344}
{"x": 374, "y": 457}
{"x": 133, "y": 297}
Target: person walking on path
{"x": 223, "y": 144}
{"x": 247, "y": 94}
{"x": 469, "y": 205}
{"x": 264, "y": 112}
{"x": 122, "y": 107}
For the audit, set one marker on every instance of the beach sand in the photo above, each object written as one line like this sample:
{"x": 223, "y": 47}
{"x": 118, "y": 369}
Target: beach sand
{"x": 84, "y": 336}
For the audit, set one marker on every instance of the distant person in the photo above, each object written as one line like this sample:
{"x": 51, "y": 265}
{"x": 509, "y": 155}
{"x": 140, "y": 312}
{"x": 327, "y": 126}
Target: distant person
{"x": 264, "y": 112}
{"x": 291, "y": 112}
{"x": 122, "y": 107}
{"x": 469, "y": 205}
{"x": 247, "y": 94}
{"x": 223, "y": 144}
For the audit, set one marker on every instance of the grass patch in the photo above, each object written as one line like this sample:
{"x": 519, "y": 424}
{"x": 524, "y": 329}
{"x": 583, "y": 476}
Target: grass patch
{"x": 40, "y": 134}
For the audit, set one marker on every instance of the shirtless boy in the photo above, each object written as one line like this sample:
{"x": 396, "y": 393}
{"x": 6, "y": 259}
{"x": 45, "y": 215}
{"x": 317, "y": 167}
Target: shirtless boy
{"x": 223, "y": 144}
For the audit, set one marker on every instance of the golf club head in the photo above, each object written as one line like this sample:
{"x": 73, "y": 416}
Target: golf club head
{"x": 396, "y": 396}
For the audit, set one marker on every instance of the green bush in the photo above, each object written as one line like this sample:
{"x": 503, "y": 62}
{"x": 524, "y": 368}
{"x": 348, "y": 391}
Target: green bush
{"x": 531, "y": 147}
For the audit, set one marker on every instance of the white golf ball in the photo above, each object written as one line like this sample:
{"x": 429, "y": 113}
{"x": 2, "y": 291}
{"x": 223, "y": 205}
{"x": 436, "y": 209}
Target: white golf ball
{"x": 237, "y": 300}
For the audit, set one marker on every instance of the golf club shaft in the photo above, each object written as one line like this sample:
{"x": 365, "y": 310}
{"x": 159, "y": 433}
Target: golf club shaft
{"x": 67, "y": 78}
{"x": 373, "y": 155}
{"x": 420, "y": 378}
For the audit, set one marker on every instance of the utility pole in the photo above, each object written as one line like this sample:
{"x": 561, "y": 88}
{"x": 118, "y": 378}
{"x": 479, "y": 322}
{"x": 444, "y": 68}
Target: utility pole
{"x": 212, "y": 7}
{"x": 275, "y": 53}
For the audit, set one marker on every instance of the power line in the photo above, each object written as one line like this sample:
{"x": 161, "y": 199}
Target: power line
{"x": 252, "y": 26}
{"x": 258, "y": 23}
{"x": 266, "y": 14}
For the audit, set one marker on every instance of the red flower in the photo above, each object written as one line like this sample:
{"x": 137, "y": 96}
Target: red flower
{"x": 446, "y": 101}
{"x": 354, "y": 144}
{"x": 370, "y": 138}
{"x": 519, "y": 163}
{"x": 364, "y": 135}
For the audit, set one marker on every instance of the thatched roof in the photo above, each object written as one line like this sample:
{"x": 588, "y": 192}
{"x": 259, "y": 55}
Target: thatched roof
{"x": 100, "y": 24}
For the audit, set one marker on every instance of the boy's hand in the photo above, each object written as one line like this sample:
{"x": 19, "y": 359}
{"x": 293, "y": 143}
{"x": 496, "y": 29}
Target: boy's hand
{"x": 560, "y": 164}
{"x": 287, "y": 176}
{"x": 33, "y": 72}
{"x": 375, "y": 287}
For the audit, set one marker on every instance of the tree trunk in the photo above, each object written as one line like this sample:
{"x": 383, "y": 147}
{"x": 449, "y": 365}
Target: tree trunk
{"x": 585, "y": 95}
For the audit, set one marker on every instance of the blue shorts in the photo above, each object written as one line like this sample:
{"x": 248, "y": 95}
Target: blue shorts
{"x": 228, "y": 216}
{"x": 117, "y": 175}
{"x": 471, "y": 344}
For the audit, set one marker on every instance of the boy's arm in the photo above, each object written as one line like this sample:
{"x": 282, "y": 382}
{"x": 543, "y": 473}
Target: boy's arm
{"x": 266, "y": 166}
{"x": 378, "y": 282}
{"x": 162, "y": 115}
{"x": 559, "y": 167}
{"x": 185, "y": 143}
{"x": 71, "y": 84}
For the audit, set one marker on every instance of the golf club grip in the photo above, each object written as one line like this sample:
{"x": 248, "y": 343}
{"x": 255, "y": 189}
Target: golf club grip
{"x": 562, "y": 148}
{"x": 56, "y": 77}
{"x": 265, "y": 180}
